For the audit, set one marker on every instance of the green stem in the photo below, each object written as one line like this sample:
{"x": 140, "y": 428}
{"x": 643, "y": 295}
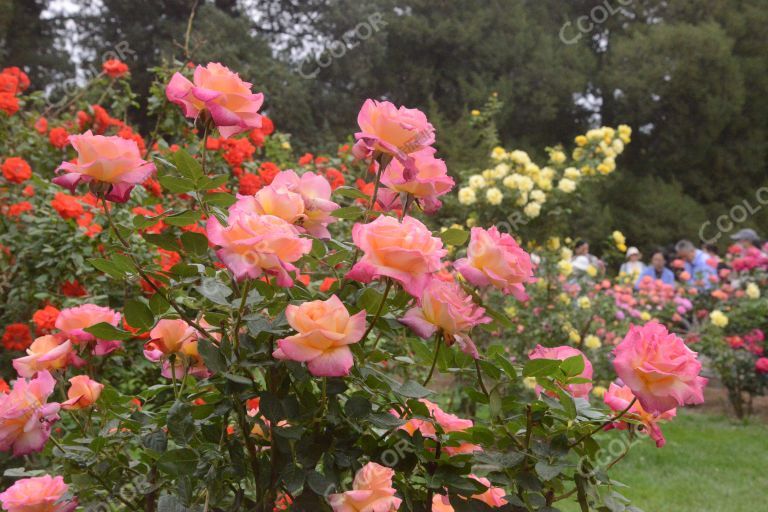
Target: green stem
{"x": 378, "y": 311}
{"x": 603, "y": 425}
{"x": 438, "y": 344}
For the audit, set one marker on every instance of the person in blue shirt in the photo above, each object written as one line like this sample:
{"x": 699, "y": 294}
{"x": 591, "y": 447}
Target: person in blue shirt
{"x": 702, "y": 274}
{"x": 657, "y": 270}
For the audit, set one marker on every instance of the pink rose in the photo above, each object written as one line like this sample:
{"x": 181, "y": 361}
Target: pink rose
{"x": 429, "y": 181}
{"x": 562, "y": 353}
{"x": 493, "y": 496}
{"x": 761, "y": 365}
{"x": 391, "y": 130}
{"x": 169, "y": 336}
{"x": 618, "y": 399}
{"x": 83, "y": 392}
{"x": 495, "y": 259}
{"x": 220, "y": 92}
{"x": 45, "y": 353}
{"x": 447, "y": 422}
{"x": 441, "y": 503}
{"x": 445, "y": 306}
{"x": 254, "y": 244}
{"x": 72, "y": 322}
{"x": 25, "y": 417}
{"x": 659, "y": 368}
{"x": 325, "y": 331}
{"x": 372, "y": 491}
{"x": 37, "y": 494}
{"x": 305, "y": 202}
{"x": 404, "y": 251}
{"x": 114, "y": 163}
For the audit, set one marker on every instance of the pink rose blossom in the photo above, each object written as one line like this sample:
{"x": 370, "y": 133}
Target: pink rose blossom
{"x": 325, "y": 331}
{"x": 493, "y": 496}
{"x": 761, "y": 365}
{"x": 495, "y": 259}
{"x": 659, "y": 368}
{"x": 304, "y": 201}
{"x": 169, "y": 336}
{"x": 111, "y": 162}
{"x": 220, "y": 92}
{"x": 444, "y": 305}
{"x": 25, "y": 417}
{"x": 447, "y": 422}
{"x": 37, "y": 494}
{"x": 72, "y": 322}
{"x": 562, "y": 353}
{"x": 618, "y": 399}
{"x": 45, "y": 353}
{"x": 429, "y": 181}
{"x": 391, "y": 130}
{"x": 372, "y": 491}
{"x": 404, "y": 251}
{"x": 83, "y": 392}
{"x": 254, "y": 244}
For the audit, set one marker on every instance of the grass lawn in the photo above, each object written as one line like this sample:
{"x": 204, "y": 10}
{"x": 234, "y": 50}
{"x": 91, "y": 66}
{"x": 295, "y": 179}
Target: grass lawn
{"x": 709, "y": 464}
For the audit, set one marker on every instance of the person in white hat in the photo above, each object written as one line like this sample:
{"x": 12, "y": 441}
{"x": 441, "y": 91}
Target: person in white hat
{"x": 633, "y": 267}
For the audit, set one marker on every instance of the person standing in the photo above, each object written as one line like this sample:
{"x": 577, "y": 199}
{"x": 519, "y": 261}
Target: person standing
{"x": 657, "y": 270}
{"x": 698, "y": 272}
{"x": 634, "y": 266}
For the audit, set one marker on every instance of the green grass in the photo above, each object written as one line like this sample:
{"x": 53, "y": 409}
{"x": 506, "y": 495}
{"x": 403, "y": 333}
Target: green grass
{"x": 709, "y": 464}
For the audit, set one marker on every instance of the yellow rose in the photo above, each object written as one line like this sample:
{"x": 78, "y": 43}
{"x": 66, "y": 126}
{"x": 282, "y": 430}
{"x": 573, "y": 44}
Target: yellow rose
{"x": 592, "y": 342}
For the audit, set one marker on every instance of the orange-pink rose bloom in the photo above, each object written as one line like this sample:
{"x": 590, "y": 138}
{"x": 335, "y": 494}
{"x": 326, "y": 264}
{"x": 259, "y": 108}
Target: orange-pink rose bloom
{"x": 618, "y": 399}
{"x": 659, "y": 368}
{"x": 72, "y": 322}
{"x": 404, "y": 251}
{"x": 37, "y": 494}
{"x": 45, "y": 353}
{"x": 222, "y": 93}
{"x": 426, "y": 180}
{"x": 325, "y": 331}
{"x": 25, "y": 417}
{"x": 496, "y": 259}
{"x": 113, "y": 161}
{"x": 372, "y": 491}
{"x": 253, "y": 244}
{"x": 83, "y": 392}
{"x": 391, "y": 130}
{"x": 445, "y": 306}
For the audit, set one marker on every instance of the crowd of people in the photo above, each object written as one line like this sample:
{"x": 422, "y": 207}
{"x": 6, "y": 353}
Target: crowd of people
{"x": 683, "y": 263}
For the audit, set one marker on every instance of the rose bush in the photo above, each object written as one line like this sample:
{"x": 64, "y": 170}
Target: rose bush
{"x": 176, "y": 345}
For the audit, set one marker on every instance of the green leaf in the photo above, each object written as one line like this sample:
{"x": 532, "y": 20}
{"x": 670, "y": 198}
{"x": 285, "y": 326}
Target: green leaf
{"x": 181, "y": 425}
{"x": 319, "y": 483}
{"x": 105, "y": 331}
{"x": 357, "y": 407}
{"x": 412, "y": 389}
{"x": 220, "y": 199}
{"x": 352, "y": 193}
{"x": 181, "y": 461}
{"x": 212, "y": 356}
{"x": 196, "y": 243}
{"x": 215, "y": 291}
{"x": 108, "y": 267}
{"x": 168, "y": 503}
{"x": 139, "y": 315}
{"x": 541, "y": 367}
{"x": 188, "y": 166}
{"x": 573, "y": 366}
{"x": 349, "y": 213}
{"x": 176, "y": 185}
{"x": 385, "y": 420}
{"x": 454, "y": 236}
{"x": 165, "y": 241}
{"x": 184, "y": 218}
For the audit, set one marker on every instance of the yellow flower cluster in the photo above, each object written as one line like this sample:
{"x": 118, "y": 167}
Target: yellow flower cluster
{"x": 620, "y": 240}
{"x": 718, "y": 318}
{"x": 516, "y": 178}
{"x": 753, "y": 291}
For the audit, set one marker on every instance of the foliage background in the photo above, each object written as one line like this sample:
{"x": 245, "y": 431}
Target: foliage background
{"x": 689, "y": 77}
